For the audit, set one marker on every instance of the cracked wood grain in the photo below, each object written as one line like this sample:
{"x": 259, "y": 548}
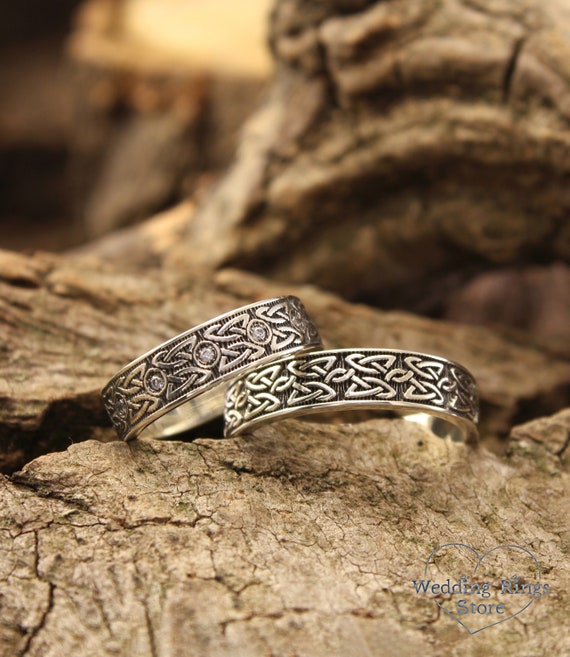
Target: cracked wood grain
{"x": 404, "y": 149}
{"x": 68, "y": 325}
{"x": 300, "y": 539}
{"x": 303, "y": 538}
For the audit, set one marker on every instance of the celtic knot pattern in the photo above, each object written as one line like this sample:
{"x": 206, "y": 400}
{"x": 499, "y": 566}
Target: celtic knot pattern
{"x": 387, "y": 378}
{"x": 198, "y": 360}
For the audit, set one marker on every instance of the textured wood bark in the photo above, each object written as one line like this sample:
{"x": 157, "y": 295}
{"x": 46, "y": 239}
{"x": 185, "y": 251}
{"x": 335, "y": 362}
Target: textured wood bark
{"x": 405, "y": 147}
{"x": 66, "y": 326}
{"x": 160, "y": 96}
{"x": 302, "y": 539}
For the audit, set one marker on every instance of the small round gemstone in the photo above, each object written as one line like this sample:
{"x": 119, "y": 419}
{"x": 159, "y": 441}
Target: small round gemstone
{"x": 259, "y": 332}
{"x": 156, "y": 382}
{"x": 207, "y": 353}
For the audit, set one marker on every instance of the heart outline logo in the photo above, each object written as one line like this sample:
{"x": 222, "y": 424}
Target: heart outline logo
{"x": 480, "y": 559}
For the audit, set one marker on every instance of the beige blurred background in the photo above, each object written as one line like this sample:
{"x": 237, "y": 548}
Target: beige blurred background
{"x": 113, "y": 110}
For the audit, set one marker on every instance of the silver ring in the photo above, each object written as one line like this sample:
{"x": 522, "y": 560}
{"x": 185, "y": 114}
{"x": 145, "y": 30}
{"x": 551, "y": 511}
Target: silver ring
{"x": 181, "y": 383}
{"x": 433, "y": 391}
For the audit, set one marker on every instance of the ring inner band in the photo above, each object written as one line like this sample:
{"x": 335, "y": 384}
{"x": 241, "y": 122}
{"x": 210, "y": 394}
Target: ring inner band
{"x": 186, "y": 416}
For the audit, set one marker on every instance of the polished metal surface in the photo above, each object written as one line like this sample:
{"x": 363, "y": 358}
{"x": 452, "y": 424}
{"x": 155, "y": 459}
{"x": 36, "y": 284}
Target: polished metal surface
{"x": 182, "y": 383}
{"x": 431, "y": 390}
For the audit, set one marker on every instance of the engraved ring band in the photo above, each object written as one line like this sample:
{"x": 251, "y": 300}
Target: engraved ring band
{"x": 430, "y": 390}
{"x": 182, "y": 383}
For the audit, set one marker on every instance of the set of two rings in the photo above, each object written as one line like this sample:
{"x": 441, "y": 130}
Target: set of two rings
{"x": 265, "y": 361}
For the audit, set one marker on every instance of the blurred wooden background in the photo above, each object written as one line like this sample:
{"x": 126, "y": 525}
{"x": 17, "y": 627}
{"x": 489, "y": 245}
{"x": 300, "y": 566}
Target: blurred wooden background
{"x": 113, "y": 110}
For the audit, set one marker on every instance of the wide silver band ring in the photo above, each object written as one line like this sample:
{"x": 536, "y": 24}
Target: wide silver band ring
{"x": 182, "y": 383}
{"x": 433, "y": 391}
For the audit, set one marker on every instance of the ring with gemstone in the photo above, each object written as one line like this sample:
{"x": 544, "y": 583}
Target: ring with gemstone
{"x": 182, "y": 383}
{"x": 430, "y": 390}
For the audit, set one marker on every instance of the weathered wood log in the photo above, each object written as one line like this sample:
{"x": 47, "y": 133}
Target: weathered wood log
{"x": 66, "y": 326}
{"x": 302, "y": 539}
{"x": 405, "y": 148}
{"x": 141, "y": 247}
{"x": 161, "y": 91}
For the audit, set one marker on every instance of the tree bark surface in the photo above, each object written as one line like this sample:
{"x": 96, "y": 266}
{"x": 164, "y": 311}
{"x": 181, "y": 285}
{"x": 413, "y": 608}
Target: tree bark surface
{"x": 302, "y": 539}
{"x": 405, "y": 147}
{"x": 69, "y": 324}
